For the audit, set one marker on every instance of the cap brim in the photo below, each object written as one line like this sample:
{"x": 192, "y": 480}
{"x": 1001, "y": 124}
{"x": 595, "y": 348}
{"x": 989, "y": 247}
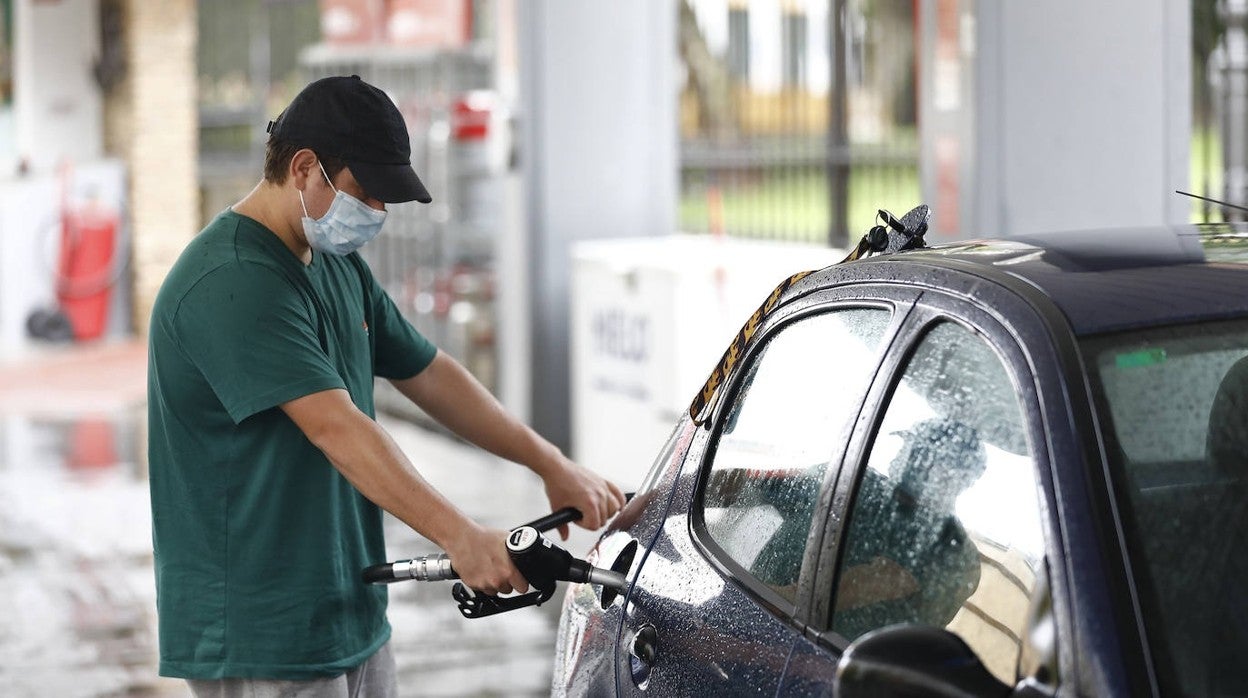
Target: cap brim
{"x": 392, "y": 184}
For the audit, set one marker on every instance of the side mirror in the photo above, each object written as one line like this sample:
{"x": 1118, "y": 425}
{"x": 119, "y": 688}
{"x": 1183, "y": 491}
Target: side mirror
{"x": 913, "y": 660}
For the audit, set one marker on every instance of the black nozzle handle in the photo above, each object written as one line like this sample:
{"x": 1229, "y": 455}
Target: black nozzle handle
{"x": 561, "y": 517}
{"x": 433, "y": 568}
{"x": 543, "y": 563}
{"x": 555, "y": 519}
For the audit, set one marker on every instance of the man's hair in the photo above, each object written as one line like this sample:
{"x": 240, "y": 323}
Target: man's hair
{"x": 278, "y": 154}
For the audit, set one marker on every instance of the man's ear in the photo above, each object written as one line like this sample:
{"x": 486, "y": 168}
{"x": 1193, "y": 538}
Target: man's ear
{"x": 302, "y": 164}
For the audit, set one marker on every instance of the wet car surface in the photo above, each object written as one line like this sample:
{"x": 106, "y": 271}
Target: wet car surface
{"x": 999, "y": 456}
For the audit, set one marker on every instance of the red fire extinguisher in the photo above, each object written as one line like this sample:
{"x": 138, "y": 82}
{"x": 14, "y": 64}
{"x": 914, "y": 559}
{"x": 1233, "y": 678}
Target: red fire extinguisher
{"x": 88, "y": 264}
{"x": 85, "y": 270}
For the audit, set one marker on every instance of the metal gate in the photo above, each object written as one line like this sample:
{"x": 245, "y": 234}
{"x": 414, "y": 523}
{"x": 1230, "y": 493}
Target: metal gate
{"x": 436, "y": 260}
{"x": 1219, "y": 152}
{"x": 797, "y": 119}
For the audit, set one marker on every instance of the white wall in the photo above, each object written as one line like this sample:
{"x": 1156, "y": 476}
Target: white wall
{"x": 56, "y": 117}
{"x": 1082, "y": 114}
{"x": 58, "y": 108}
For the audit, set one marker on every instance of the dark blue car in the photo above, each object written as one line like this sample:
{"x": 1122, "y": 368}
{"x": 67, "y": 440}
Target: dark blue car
{"x": 994, "y": 468}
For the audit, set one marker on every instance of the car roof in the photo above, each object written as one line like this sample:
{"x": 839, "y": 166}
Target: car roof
{"x": 1115, "y": 279}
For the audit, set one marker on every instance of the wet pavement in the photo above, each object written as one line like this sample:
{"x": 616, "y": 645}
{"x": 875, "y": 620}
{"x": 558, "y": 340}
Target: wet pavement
{"x": 77, "y": 600}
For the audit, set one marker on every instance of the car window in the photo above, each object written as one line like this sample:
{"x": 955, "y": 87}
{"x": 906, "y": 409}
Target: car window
{"x": 1173, "y": 410}
{"x": 945, "y": 527}
{"x": 796, "y": 403}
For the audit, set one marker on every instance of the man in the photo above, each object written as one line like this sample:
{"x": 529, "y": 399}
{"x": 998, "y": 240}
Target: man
{"x": 267, "y": 467}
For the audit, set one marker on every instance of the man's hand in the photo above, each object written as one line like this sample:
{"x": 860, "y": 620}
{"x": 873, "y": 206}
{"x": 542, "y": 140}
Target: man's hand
{"x": 570, "y": 485}
{"x": 480, "y": 558}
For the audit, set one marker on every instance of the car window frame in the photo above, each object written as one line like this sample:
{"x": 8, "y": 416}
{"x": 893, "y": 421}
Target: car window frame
{"x": 1092, "y": 591}
{"x": 931, "y": 309}
{"x": 899, "y": 301}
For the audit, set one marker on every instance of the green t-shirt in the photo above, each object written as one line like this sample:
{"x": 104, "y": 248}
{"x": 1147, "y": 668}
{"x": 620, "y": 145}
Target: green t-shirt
{"x": 259, "y": 541}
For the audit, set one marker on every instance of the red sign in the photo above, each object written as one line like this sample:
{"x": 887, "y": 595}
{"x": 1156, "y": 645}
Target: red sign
{"x": 429, "y": 23}
{"x": 352, "y": 21}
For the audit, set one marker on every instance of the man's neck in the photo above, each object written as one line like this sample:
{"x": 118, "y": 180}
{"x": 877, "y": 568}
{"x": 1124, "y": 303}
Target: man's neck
{"x": 265, "y": 204}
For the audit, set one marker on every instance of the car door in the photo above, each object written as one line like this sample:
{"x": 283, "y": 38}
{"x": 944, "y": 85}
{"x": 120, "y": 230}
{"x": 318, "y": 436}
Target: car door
{"x": 720, "y": 596}
{"x": 938, "y": 516}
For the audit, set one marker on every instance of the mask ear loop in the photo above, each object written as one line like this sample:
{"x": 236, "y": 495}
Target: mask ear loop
{"x": 327, "y": 181}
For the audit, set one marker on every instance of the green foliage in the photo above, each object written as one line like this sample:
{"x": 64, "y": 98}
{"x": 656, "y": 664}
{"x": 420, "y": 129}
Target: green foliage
{"x": 795, "y": 206}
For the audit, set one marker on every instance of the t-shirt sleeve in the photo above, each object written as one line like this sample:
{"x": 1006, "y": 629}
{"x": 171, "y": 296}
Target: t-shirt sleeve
{"x": 401, "y": 351}
{"x": 253, "y": 336}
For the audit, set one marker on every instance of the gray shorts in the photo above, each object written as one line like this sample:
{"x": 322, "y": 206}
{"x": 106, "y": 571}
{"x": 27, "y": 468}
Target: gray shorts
{"x": 375, "y": 677}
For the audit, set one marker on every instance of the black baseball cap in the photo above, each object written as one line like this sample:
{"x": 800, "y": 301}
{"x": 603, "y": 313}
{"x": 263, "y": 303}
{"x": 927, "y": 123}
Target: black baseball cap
{"x": 349, "y": 119}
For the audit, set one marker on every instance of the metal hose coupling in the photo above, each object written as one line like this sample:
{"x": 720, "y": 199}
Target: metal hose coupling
{"x": 428, "y": 568}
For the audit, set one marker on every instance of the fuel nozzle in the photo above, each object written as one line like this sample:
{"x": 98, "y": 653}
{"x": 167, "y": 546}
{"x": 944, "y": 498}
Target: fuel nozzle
{"x": 543, "y": 563}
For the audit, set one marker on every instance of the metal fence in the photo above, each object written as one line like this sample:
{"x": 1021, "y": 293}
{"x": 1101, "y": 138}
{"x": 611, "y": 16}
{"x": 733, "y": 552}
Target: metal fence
{"x": 1219, "y": 145}
{"x": 247, "y": 71}
{"x": 798, "y": 120}
{"x": 435, "y": 261}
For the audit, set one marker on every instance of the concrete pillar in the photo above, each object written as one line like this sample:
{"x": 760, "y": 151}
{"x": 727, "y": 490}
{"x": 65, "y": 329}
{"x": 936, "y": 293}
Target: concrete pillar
{"x": 57, "y": 103}
{"x": 151, "y": 122}
{"x": 1082, "y": 114}
{"x": 599, "y": 147}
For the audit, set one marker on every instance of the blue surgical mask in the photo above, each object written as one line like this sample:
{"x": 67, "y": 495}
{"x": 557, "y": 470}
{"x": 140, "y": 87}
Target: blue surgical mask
{"x": 346, "y": 227}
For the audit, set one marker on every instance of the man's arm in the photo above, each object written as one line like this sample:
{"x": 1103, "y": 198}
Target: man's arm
{"x": 370, "y": 460}
{"x": 450, "y": 394}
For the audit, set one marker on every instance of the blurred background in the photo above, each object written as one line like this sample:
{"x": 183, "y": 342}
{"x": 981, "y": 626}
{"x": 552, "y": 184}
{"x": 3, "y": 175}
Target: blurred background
{"x": 616, "y": 186}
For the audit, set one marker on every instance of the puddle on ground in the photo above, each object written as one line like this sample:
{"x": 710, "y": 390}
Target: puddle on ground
{"x": 76, "y": 587}
{"x": 78, "y": 599}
